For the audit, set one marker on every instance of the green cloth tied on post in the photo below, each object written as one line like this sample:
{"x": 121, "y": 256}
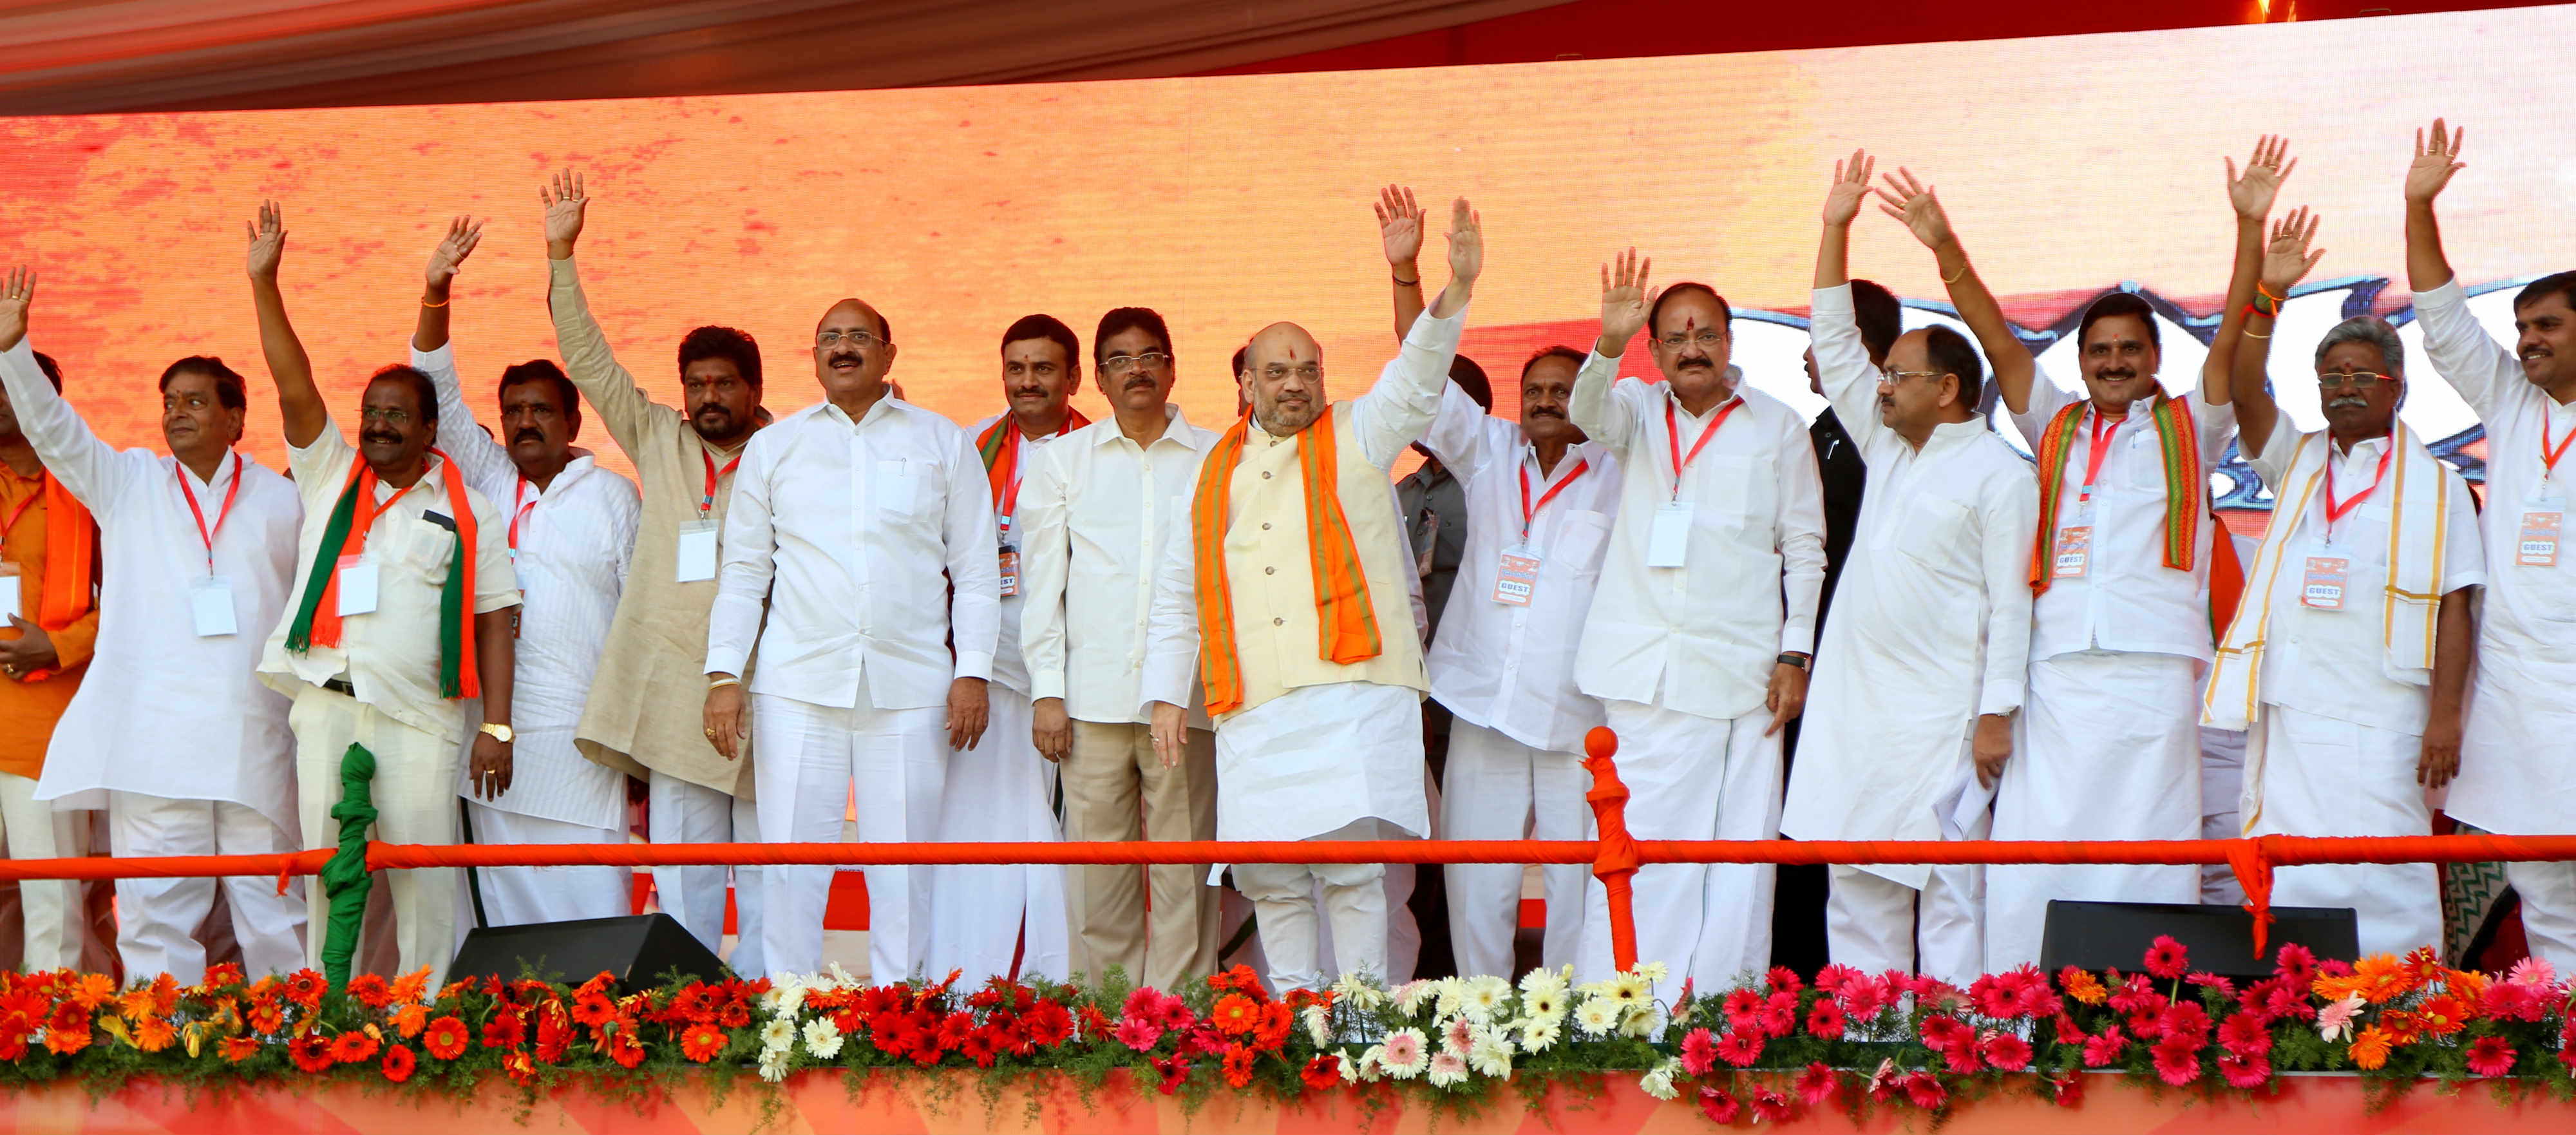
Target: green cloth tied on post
{"x": 345, "y": 877}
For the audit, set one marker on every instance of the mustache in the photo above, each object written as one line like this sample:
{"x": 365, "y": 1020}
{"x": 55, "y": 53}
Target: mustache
{"x": 2354, "y": 401}
{"x": 529, "y": 434}
{"x": 1029, "y": 392}
{"x": 1546, "y": 412}
{"x": 386, "y": 437}
{"x": 1138, "y": 382}
{"x": 2118, "y": 373}
{"x": 839, "y": 357}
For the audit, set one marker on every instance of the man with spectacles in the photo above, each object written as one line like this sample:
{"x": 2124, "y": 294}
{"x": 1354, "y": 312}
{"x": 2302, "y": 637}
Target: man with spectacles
{"x": 985, "y": 917}
{"x": 1288, "y": 599}
{"x": 1099, "y": 509}
{"x": 402, "y": 613}
{"x": 1921, "y": 671}
{"x": 1701, "y": 633}
{"x": 860, "y": 562}
{"x": 685, "y": 460}
{"x": 2125, "y": 557}
{"x": 2347, "y": 664}
{"x": 2516, "y": 773}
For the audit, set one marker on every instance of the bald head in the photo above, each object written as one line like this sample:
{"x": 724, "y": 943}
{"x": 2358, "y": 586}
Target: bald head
{"x": 853, "y": 350}
{"x": 1283, "y": 378}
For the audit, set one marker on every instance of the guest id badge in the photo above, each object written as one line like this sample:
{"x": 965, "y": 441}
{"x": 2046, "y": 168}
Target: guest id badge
{"x": 2541, "y": 524}
{"x": 357, "y": 585}
{"x": 1668, "y": 540}
{"x": 10, "y": 607}
{"x": 210, "y": 606}
{"x": 1516, "y": 579}
{"x": 2073, "y": 553}
{"x": 2321, "y": 586}
{"x": 1010, "y": 572}
{"x": 696, "y": 554}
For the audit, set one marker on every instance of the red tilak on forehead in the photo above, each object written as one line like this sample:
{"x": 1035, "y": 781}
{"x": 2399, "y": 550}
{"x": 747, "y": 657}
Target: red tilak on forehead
{"x": 1690, "y": 323}
{"x": 1292, "y": 352}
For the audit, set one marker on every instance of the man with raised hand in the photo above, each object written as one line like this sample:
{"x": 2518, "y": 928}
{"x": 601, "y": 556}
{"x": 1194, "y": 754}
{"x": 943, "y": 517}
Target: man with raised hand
{"x": 983, "y": 918}
{"x": 1097, "y": 513}
{"x": 684, "y": 463}
{"x": 1921, "y": 669}
{"x": 197, "y": 546}
{"x": 1704, "y": 626}
{"x": 1289, "y": 597}
{"x": 2517, "y": 772}
{"x": 2121, "y": 570}
{"x": 571, "y": 535}
{"x": 400, "y": 617}
{"x": 860, "y": 562}
{"x": 2347, "y": 663}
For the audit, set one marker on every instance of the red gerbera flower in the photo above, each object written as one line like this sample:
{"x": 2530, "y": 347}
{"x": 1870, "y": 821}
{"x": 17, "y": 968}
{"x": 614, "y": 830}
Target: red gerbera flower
{"x": 2245, "y": 1034}
{"x": 954, "y": 1029}
{"x": 1719, "y": 1107}
{"x": 505, "y": 1030}
{"x": 2105, "y": 1048}
{"x": 1779, "y": 1016}
{"x": 593, "y": 1009}
{"x": 1925, "y": 1090}
{"x": 624, "y": 1048}
{"x": 2243, "y": 1071}
{"x": 2068, "y": 1090}
{"x": 2177, "y": 1060}
{"x": 522, "y": 1070}
{"x": 370, "y": 990}
{"x": 1740, "y": 1048}
{"x": 310, "y": 1051}
{"x": 1047, "y": 1024}
{"x": 1238, "y": 1065}
{"x": 1783, "y": 980}
{"x": 1699, "y": 1052}
{"x": 1322, "y": 1073}
{"x": 1743, "y": 1009}
{"x": 2491, "y": 1056}
{"x": 1771, "y": 1105}
{"x": 1825, "y": 1020}
{"x": 1942, "y": 1033}
{"x": 2296, "y": 964}
{"x": 1175, "y": 1070}
{"x": 2007, "y": 1052}
{"x": 399, "y": 1062}
{"x": 352, "y": 1047}
{"x": 1818, "y": 1083}
{"x": 980, "y": 1047}
{"x": 702, "y": 1042}
{"x": 445, "y": 1038}
{"x": 67, "y": 1030}
{"x": 2167, "y": 959}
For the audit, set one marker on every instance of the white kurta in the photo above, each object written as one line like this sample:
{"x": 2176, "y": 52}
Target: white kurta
{"x": 165, "y": 712}
{"x": 1935, "y": 595}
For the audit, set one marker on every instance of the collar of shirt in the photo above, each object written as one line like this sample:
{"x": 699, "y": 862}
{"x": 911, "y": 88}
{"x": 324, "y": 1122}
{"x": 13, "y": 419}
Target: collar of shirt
{"x": 223, "y": 473}
{"x": 1948, "y": 434}
{"x": 429, "y": 476}
{"x": 883, "y": 407}
{"x": 1734, "y": 386}
{"x": 1174, "y": 425}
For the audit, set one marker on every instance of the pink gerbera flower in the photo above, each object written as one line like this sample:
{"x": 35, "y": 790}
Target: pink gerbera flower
{"x": 2536, "y": 973}
{"x": 1139, "y": 1034}
{"x": 2491, "y": 1056}
{"x": 2177, "y": 1061}
{"x": 2244, "y": 1071}
{"x": 2007, "y": 1052}
{"x": 1699, "y": 1052}
{"x": 1740, "y": 1047}
{"x": 2296, "y": 964}
{"x": 2105, "y": 1048}
{"x": 2167, "y": 959}
{"x": 1818, "y": 1083}
{"x": 1719, "y": 1107}
{"x": 2245, "y": 1034}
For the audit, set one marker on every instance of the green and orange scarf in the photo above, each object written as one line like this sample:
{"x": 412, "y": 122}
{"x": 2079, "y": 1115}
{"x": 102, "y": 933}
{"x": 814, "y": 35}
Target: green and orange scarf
{"x": 1002, "y": 459}
{"x": 2186, "y": 492}
{"x": 1346, "y": 629}
{"x": 317, "y": 621}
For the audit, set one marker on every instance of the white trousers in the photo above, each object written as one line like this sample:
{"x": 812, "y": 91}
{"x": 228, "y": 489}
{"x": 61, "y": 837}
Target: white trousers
{"x": 1499, "y": 788}
{"x": 809, "y": 754}
{"x": 1692, "y": 777}
{"x": 157, "y": 919}
{"x": 1355, "y": 901}
{"x": 2323, "y": 777}
{"x": 1874, "y": 923}
{"x": 682, "y": 811}
{"x": 35, "y": 831}
{"x": 2548, "y": 894}
{"x": 982, "y": 917}
{"x": 517, "y": 896}
{"x": 414, "y": 793}
{"x": 2108, "y": 747}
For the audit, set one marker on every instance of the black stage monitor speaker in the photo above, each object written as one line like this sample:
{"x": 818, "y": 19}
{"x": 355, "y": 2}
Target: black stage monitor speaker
{"x": 638, "y": 949}
{"x": 2106, "y": 935}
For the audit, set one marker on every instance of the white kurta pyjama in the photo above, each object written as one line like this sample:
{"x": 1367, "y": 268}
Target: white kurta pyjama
{"x": 854, "y": 555}
{"x": 1686, "y": 653}
{"x": 981, "y": 918}
{"x": 1506, "y": 672}
{"x": 1934, "y": 633}
{"x": 572, "y": 543}
{"x": 2524, "y": 690}
{"x": 172, "y": 732}
{"x": 2109, "y": 739}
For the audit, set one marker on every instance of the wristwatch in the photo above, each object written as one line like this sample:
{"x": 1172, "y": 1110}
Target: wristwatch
{"x": 500, "y": 733}
{"x": 1800, "y": 661}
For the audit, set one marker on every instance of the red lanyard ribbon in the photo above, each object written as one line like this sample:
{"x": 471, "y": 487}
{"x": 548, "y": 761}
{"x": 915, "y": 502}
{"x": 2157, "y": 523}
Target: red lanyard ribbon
{"x": 1673, "y": 433}
{"x": 2336, "y": 510}
{"x": 2549, "y": 455}
{"x": 204, "y": 533}
{"x": 1529, "y": 511}
{"x": 2103, "y": 428}
{"x": 39, "y": 494}
{"x": 707, "y": 503}
{"x": 519, "y": 511}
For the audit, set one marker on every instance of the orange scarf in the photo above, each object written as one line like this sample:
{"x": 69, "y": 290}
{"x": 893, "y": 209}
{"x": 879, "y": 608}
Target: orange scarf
{"x": 1002, "y": 459}
{"x": 1346, "y": 631}
{"x": 71, "y": 554}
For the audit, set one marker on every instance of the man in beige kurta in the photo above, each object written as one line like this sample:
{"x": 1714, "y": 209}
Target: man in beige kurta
{"x": 644, "y": 712}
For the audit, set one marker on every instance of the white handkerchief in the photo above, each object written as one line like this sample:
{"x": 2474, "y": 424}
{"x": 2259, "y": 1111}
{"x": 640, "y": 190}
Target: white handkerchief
{"x": 1959, "y": 809}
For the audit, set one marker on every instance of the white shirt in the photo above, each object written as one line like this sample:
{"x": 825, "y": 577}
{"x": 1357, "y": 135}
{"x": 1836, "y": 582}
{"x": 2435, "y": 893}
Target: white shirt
{"x": 1931, "y": 623}
{"x": 2334, "y": 663}
{"x": 571, "y": 544}
{"x": 154, "y": 686}
{"x": 1096, "y": 515}
{"x": 391, "y": 656}
{"x": 843, "y": 528}
{"x": 2127, "y": 599}
{"x": 1705, "y": 637}
{"x": 1504, "y": 666}
{"x": 1010, "y": 667}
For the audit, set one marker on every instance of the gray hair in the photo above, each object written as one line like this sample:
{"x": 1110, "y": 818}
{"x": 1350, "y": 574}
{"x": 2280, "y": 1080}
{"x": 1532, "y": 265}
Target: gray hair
{"x": 2369, "y": 330}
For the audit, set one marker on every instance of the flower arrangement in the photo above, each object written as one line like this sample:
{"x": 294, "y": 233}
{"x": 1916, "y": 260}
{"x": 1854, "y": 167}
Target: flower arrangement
{"x": 1765, "y": 1050}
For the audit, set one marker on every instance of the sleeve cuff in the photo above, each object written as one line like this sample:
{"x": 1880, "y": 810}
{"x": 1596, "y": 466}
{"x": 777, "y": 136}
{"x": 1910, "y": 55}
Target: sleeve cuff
{"x": 1162, "y": 684}
{"x": 1432, "y": 330}
{"x": 562, "y": 274}
{"x": 1798, "y": 638}
{"x": 1045, "y": 684}
{"x": 444, "y": 358}
{"x": 975, "y": 664}
{"x": 1833, "y": 301}
{"x": 2000, "y": 696}
{"x": 2445, "y": 298}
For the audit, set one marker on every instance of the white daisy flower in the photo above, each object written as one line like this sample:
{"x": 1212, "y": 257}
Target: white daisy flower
{"x": 778, "y": 1035}
{"x": 1659, "y": 1082}
{"x": 1491, "y": 1055}
{"x": 823, "y": 1038}
{"x": 1597, "y": 1016}
{"x": 1447, "y": 1069}
{"x": 1538, "y": 1034}
{"x": 1405, "y": 1054}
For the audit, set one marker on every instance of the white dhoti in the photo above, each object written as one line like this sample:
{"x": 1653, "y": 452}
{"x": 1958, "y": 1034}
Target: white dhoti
{"x": 1692, "y": 777}
{"x": 1874, "y": 923}
{"x": 984, "y": 920}
{"x": 2108, "y": 749}
{"x": 35, "y": 831}
{"x": 682, "y": 811}
{"x": 1499, "y": 788}
{"x": 157, "y": 919}
{"x": 809, "y": 757}
{"x": 2323, "y": 777}
{"x": 517, "y": 896}
{"x": 414, "y": 790}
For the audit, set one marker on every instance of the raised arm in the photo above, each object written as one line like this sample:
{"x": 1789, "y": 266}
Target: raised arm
{"x": 1833, "y": 328}
{"x": 2251, "y": 196}
{"x": 484, "y": 460}
{"x": 429, "y": 331}
{"x": 2436, "y": 160}
{"x": 1395, "y": 411}
{"x": 623, "y": 406}
{"x": 85, "y": 465}
{"x": 1625, "y": 303}
{"x": 2485, "y": 372}
{"x": 1913, "y": 202}
{"x": 299, "y": 402}
{"x": 2285, "y": 263}
{"x": 1399, "y": 227}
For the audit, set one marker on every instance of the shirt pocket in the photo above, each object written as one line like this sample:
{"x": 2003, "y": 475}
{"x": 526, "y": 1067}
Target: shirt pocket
{"x": 1935, "y": 532}
{"x": 2144, "y": 457}
{"x": 896, "y": 484}
{"x": 1734, "y": 496}
{"x": 425, "y": 546}
{"x": 1579, "y": 543}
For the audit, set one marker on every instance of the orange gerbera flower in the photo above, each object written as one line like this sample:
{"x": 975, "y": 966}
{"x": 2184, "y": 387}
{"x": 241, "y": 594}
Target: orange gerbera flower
{"x": 91, "y": 990}
{"x": 266, "y": 1017}
{"x": 152, "y": 1034}
{"x": 1238, "y": 1065}
{"x": 134, "y": 1004}
{"x": 2378, "y": 979}
{"x": 446, "y": 1038}
{"x": 1235, "y": 1014}
{"x": 410, "y": 1019}
{"x": 370, "y": 990}
{"x": 305, "y": 987}
{"x": 2468, "y": 985}
{"x": 165, "y": 995}
{"x": 2370, "y": 1048}
{"x": 240, "y": 1048}
{"x": 703, "y": 1042}
{"x": 2443, "y": 1015}
{"x": 67, "y": 1030}
{"x": 408, "y": 988}
{"x": 2082, "y": 986}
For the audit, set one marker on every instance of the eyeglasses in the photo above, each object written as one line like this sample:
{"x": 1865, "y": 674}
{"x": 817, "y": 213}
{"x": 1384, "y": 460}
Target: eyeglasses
{"x": 2357, "y": 380}
{"x": 859, "y": 339}
{"x": 384, "y": 416}
{"x": 1894, "y": 377}
{"x": 1121, "y": 364}
{"x": 1278, "y": 372}
{"x": 1706, "y": 340}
